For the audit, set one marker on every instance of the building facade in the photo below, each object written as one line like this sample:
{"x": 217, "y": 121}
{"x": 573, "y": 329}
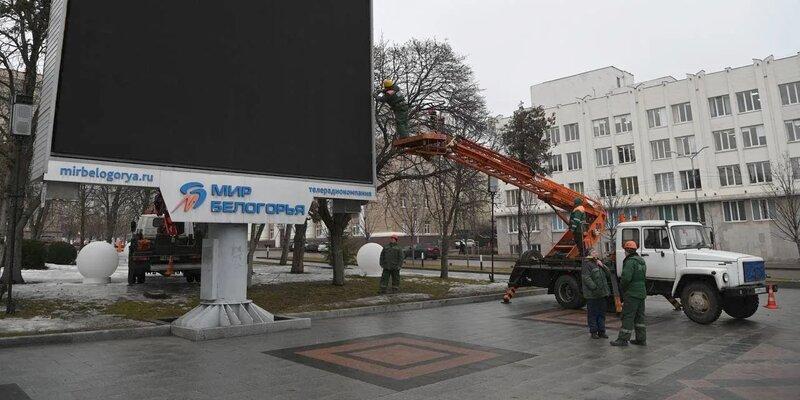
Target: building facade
{"x": 647, "y": 149}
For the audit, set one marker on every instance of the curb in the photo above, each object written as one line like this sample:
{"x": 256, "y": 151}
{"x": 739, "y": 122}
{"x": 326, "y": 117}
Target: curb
{"x": 785, "y": 284}
{"x": 462, "y": 271}
{"x": 87, "y": 336}
{"x": 417, "y": 305}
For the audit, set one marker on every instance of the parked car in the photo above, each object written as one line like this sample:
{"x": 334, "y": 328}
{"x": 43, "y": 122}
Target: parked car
{"x": 312, "y": 247}
{"x": 322, "y": 247}
{"x": 468, "y": 243}
{"x": 431, "y": 252}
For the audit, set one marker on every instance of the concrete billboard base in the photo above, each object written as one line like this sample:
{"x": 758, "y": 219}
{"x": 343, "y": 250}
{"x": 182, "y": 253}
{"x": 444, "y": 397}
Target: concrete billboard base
{"x": 224, "y": 309}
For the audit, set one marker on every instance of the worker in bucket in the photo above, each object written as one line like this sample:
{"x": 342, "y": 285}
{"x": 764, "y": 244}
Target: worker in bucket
{"x": 577, "y": 220}
{"x": 596, "y": 292}
{"x": 391, "y": 261}
{"x": 391, "y": 95}
{"x": 632, "y": 282}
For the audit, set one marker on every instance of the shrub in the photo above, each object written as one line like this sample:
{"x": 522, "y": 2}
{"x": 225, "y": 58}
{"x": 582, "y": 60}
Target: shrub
{"x": 61, "y": 253}
{"x": 33, "y": 254}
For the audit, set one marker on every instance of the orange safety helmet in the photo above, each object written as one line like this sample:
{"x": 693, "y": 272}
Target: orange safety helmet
{"x": 630, "y": 245}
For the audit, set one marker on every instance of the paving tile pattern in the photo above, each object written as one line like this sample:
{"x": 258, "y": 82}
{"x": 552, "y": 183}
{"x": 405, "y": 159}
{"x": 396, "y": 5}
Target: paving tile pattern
{"x": 754, "y": 359}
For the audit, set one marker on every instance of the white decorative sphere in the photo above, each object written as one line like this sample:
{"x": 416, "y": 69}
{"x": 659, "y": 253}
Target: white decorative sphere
{"x": 369, "y": 258}
{"x": 97, "y": 261}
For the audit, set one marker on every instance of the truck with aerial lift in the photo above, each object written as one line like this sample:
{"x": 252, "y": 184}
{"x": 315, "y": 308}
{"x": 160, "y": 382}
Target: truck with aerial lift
{"x": 681, "y": 260}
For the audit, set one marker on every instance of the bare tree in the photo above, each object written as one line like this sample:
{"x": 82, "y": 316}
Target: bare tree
{"x": 432, "y": 76}
{"x": 23, "y": 34}
{"x": 255, "y": 236}
{"x": 528, "y": 219}
{"x": 784, "y": 193}
{"x": 406, "y": 207}
{"x": 616, "y": 202}
{"x": 110, "y": 201}
{"x": 337, "y": 224}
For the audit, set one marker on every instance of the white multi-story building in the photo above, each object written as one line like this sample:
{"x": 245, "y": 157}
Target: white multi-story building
{"x": 629, "y": 144}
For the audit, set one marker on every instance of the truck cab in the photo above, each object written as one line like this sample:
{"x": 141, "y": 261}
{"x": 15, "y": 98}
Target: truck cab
{"x": 682, "y": 263}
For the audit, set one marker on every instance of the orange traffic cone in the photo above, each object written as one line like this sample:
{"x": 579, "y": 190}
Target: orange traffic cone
{"x": 771, "y": 303}
{"x": 170, "y": 268}
{"x": 509, "y": 294}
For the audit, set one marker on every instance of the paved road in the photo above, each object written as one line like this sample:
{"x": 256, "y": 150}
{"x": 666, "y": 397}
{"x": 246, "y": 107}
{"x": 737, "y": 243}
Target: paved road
{"x": 529, "y": 349}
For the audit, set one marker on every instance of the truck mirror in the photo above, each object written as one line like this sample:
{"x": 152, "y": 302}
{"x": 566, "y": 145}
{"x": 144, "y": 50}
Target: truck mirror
{"x": 158, "y": 222}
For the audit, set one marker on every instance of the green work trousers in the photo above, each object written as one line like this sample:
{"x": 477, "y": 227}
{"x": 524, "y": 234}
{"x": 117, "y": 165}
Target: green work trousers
{"x": 394, "y": 275}
{"x": 633, "y": 320}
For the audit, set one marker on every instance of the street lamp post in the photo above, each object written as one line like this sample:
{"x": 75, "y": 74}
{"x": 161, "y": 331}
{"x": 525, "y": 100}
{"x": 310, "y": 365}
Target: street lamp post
{"x": 694, "y": 177}
{"x": 492, "y": 189}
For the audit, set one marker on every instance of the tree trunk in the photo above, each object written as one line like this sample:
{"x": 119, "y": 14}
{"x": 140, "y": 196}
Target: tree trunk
{"x": 299, "y": 248}
{"x": 255, "y": 236}
{"x": 337, "y": 237}
{"x": 287, "y": 234}
{"x": 38, "y": 225}
{"x": 519, "y": 224}
{"x": 444, "y": 263}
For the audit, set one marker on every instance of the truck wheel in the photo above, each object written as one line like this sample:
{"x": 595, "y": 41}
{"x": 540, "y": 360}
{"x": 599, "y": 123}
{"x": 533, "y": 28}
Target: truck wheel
{"x": 701, "y": 302}
{"x": 189, "y": 276}
{"x": 740, "y": 307}
{"x": 568, "y": 293}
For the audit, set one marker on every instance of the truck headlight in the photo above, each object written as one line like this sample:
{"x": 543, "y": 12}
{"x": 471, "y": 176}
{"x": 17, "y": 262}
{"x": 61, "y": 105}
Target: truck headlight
{"x": 725, "y": 277}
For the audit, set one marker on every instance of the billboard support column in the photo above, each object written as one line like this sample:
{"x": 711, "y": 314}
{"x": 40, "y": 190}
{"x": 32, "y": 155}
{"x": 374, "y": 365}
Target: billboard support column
{"x": 224, "y": 309}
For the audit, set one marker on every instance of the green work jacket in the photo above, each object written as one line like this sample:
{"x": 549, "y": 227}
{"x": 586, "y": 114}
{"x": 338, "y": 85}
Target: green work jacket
{"x": 593, "y": 278}
{"x": 392, "y": 257}
{"x": 634, "y": 272}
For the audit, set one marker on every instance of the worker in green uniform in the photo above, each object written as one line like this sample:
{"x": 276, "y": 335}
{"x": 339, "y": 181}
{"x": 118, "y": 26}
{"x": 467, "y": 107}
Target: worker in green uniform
{"x": 391, "y": 261}
{"x": 632, "y": 282}
{"x": 391, "y": 95}
{"x": 595, "y": 290}
{"x": 577, "y": 221}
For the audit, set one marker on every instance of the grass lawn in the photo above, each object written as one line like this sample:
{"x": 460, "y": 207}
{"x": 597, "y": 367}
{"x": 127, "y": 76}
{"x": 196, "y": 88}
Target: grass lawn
{"x": 278, "y": 298}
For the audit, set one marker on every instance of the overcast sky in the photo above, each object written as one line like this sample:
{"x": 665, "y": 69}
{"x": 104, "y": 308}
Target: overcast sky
{"x": 512, "y": 44}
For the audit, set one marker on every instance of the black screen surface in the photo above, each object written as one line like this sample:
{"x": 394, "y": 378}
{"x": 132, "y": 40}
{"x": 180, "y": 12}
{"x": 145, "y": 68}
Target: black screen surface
{"x": 274, "y": 87}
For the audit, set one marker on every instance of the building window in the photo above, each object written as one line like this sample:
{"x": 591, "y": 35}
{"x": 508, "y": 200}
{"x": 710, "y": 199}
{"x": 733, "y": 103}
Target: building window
{"x": 426, "y": 228}
{"x": 665, "y": 182}
{"x": 733, "y": 211}
{"x": 753, "y": 136}
{"x": 629, "y": 213}
{"x": 535, "y": 247}
{"x": 531, "y": 222}
{"x": 576, "y": 186}
{"x": 513, "y": 224}
{"x": 574, "y": 161}
{"x": 730, "y": 175}
{"x": 512, "y": 197}
{"x": 656, "y": 117}
{"x": 719, "y": 106}
{"x": 762, "y": 209}
{"x": 623, "y": 123}
{"x": 604, "y": 157}
{"x": 555, "y": 163}
{"x": 660, "y": 149}
{"x": 558, "y": 224}
{"x": 684, "y": 145}
{"x": 690, "y": 212}
{"x": 725, "y": 140}
{"x": 515, "y": 248}
{"x": 793, "y": 130}
{"x": 600, "y": 127}
{"x": 682, "y": 113}
{"x": 668, "y": 213}
{"x": 608, "y": 187}
{"x": 571, "y": 133}
{"x": 319, "y": 230}
{"x": 790, "y": 93}
{"x": 690, "y": 180}
{"x": 629, "y": 185}
{"x": 619, "y": 82}
{"x": 748, "y": 101}
{"x": 795, "y": 162}
{"x": 759, "y": 172}
{"x": 626, "y": 154}
{"x": 553, "y": 135}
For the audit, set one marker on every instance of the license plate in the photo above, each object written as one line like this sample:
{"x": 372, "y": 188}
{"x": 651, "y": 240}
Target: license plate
{"x": 761, "y": 290}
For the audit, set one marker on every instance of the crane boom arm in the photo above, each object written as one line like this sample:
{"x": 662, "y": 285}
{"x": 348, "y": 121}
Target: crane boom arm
{"x": 514, "y": 172}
